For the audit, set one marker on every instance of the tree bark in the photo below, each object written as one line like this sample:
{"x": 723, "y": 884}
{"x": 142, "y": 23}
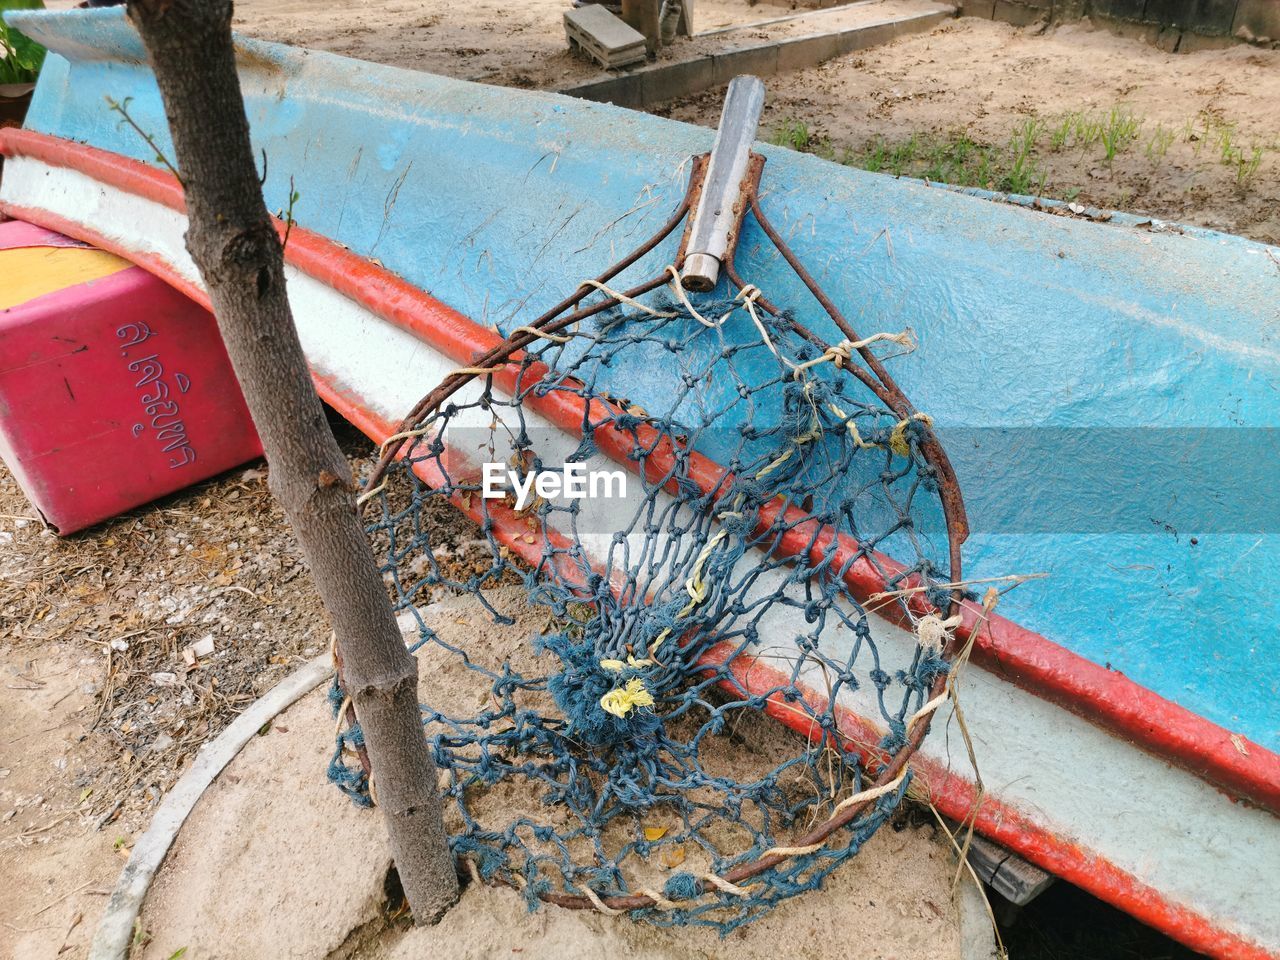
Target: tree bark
{"x": 234, "y": 244}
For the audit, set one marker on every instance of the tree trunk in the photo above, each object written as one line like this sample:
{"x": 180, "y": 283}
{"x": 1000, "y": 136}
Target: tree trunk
{"x": 235, "y": 246}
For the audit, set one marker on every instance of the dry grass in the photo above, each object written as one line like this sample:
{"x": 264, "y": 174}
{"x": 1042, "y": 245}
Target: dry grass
{"x": 216, "y": 561}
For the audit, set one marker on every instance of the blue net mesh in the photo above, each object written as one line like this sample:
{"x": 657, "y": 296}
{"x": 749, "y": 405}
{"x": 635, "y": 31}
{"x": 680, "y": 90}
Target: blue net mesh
{"x": 620, "y": 745}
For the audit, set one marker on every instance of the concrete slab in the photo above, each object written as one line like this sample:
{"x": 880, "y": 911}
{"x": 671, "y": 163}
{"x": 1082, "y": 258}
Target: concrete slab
{"x": 1260, "y": 18}
{"x": 656, "y": 83}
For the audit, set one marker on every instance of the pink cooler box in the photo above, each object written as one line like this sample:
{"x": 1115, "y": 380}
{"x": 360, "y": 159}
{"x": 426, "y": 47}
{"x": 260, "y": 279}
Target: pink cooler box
{"x": 115, "y": 389}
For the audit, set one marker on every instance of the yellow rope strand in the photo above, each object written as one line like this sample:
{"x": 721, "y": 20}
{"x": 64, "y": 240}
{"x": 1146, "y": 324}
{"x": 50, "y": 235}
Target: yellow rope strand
{"x": 898, "y": 438}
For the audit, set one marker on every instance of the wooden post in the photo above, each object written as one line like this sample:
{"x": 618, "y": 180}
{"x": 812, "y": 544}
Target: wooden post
{"x": 646, "y": 17}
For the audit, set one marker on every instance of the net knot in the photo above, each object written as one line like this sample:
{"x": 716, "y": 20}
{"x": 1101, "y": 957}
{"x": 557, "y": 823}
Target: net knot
{"x": 602, "y": 704}
{"x": 682, "y": 886}
{"x": 898, "y": 436}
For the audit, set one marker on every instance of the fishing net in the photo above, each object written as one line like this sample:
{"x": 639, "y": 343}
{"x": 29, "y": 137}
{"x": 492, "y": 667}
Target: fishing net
{"x": 752, "y": 496}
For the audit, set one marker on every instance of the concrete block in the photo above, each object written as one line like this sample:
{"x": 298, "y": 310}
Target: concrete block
{"x": 1169, "y": 39}
{"x": 1145, "y": 32}
{"x": 1203, "y": 16}
{"x": 1066, "y": 11}
{"x": 603, "y": 37}
{"x": 978, "y": 8}
{"x": 669, "y": 81}
{"x": 661, "y": 82}
{"x": 863, "y": 37}
{"x": 800, "y": 52}
{"x": 1018, "y": 13}
{"x": 762, "y": 61}
{"x": 622, "y": 91}
{"x": 1119, "y": 9}
{"x": 1260, "y": 18}
{"x": 1191, "y": 42}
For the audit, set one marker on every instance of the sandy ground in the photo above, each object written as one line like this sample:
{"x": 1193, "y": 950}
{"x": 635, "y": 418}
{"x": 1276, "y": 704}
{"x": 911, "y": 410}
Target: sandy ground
{"x": 1201, "y": 118}
{"x": 518, "y": 45}
{"x": 56, "y": 867}
{"x": 308, "y": 867}
{"x": 276, "y": 862}
{"x": 100, "y": 710}
{"x": 983, "y": 81}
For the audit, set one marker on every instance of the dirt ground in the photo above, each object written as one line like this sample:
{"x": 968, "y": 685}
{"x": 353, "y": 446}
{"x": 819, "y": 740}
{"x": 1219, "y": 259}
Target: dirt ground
{"x": 102, "y": 712}
{"x": 517, "y": 45}
{"x": 1185, "y": 128}
{"x": 308, "y": 866}
{"x": 101, "y": 709}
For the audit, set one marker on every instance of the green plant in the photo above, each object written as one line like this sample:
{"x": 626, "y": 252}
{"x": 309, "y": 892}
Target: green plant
{"x": 794, "y": 134}
{"x": 20, "y": 57}
{"x": 1246, "y": 166}
{"x": 1119, "y": 130}
{"x": 1026, "y": 134}
{"x": 1024, "y": 172}
{"x": 122, "y": 108}
{"x": 902, "y": 157}
{"x": 1226, "y": 146}
{"x": 1158, "y": 145}
{"x": 1061, "y": 134}
{"x": 797, "y": 135}
{"x": 1087, "y": 130}
{"x": 873, "y": 156}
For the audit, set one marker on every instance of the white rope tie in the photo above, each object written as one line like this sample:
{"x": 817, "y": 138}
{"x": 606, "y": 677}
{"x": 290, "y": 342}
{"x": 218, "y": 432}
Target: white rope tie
{"x": 601, "y": 905}
{"x": 342, "y": 716}
{"x": 720, "y": 883}
{"x": 842, "y": 352}
{"x": 623, "y": 298}
{"x": 872, "y": 793}
{"x": 678, "y": 287}
{"x": 749, "y": 295}
{"x": 372, "y": 492}
{"x": 927, "y": 709}
{"x": 659, "y": 901}
{"x": 535, "y": 332}
{"x": 933, "y": 632}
